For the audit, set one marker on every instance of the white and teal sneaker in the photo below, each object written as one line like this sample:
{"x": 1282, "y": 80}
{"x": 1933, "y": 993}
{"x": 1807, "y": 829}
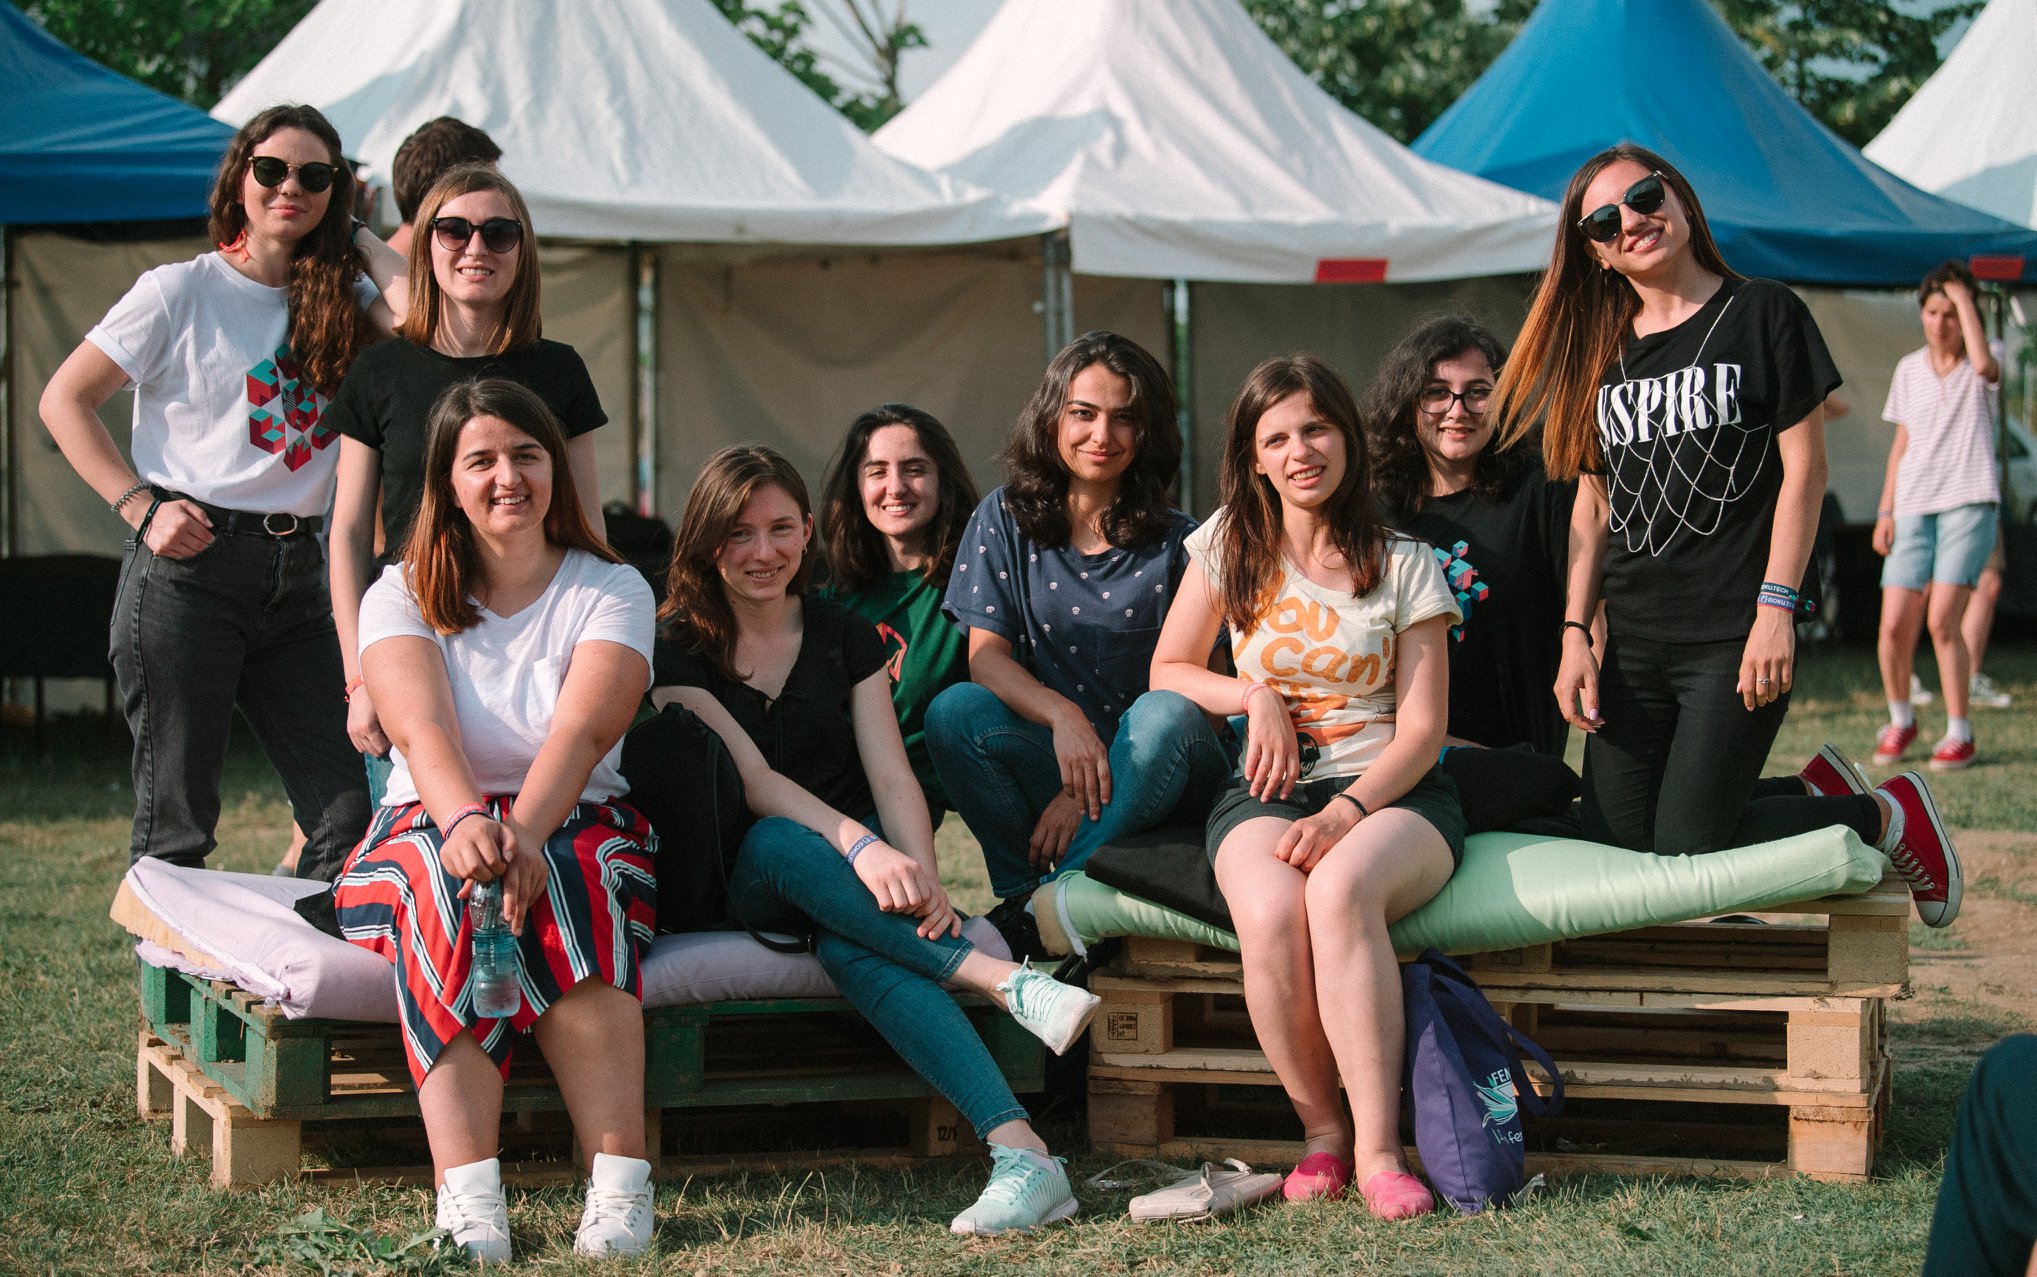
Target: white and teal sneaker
{"x": 1026, "y": 1190}
{"x": 1053, "y": 1012}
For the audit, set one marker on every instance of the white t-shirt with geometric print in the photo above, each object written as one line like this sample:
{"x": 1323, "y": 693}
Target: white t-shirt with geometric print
{"x": 221, "y": 411}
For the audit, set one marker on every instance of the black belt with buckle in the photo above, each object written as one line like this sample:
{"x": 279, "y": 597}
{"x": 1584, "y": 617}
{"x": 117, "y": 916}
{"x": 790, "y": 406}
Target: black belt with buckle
{"x": 249, "y": 523}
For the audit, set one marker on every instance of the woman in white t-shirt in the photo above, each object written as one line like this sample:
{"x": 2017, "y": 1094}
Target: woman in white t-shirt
{"x": 1939, "y": 505}
{"x": 1338, "y": 821}
{"x": 506, "y": 654}
{"x": 222, "y": 598}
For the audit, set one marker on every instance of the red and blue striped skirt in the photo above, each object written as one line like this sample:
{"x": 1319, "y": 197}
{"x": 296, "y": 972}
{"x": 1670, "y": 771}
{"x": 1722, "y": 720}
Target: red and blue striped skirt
{"x": 594, "y": 921}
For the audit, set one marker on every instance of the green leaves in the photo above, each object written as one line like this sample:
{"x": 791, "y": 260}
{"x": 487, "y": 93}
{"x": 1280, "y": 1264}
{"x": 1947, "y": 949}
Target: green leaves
{"x": 317, "y": 1242}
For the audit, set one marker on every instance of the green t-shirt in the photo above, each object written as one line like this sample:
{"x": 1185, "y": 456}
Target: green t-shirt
{"x": 923, "y": 651}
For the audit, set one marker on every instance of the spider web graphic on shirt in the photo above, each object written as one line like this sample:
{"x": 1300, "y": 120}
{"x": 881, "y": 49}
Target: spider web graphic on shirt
{"x": 1686, "y": 478}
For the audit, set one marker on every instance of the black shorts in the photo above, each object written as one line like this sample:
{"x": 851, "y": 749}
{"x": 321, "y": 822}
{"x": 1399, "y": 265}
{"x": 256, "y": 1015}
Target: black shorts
{"x": 1433, "y": 798}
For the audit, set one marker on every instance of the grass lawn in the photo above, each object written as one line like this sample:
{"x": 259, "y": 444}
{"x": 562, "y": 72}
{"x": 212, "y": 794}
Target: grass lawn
{"x": 86, "y": 1187}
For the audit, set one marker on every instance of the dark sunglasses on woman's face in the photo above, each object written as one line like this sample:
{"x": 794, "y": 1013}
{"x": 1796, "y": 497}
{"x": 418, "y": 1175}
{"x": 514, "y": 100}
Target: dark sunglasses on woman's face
{"x": 1602, "y": 224}
{"x": 500, "y": 234}
{"x": 270, "y": 172}
{"x": 1436, "y": 400}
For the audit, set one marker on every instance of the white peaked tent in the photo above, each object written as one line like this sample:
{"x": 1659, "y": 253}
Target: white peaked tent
{"x": 1177, "y": 141}
{"x": 1970, "y": 133}
{"x": 795, "y": 274}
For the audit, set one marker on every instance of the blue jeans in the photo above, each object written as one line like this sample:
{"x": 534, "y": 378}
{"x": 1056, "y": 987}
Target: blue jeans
{"x": 244, "y": 622}
{"x": 1000, "y": 772}
{"x": 787, "y": 877}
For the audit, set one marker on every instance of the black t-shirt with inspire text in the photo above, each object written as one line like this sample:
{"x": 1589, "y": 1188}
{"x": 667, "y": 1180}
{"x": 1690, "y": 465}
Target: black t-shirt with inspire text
{"x": 385, "y": 402}
{"x": 1504, "y": 560}
{"x": 808, "y": 734}
{"x": 1688, "y": 420}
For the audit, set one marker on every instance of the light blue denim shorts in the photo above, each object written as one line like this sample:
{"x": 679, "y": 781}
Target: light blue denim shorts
{"x": 1950, "y": 547}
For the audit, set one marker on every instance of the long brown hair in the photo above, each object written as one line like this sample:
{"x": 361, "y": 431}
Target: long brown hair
{"x": 696, "y": 608}
{"x": 444, "y": 567}
{"x": 1036, "y": 487}
{"x": 1249, "y": 536}
{"x": 855, "y": 549}
{"x": 1400, "y": 466}
{"x": 1581, "y": 313}
{"x": 327, "y": 325}
{"x": 520, "y": 326}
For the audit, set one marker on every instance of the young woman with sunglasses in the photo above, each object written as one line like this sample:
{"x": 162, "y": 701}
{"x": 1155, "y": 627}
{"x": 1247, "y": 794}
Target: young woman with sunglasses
{"x": 222, "y": 598}
{"x": 1500, "y": 528}
{"x": 507, "y": 651}
{"x": 474, "y": 311}
{"x": 795, "y": 687}
{"x": 1338, "y": 820}
{"x": 893, "y": 508}
{"x": 1687, "y": 401}
{"x": 1062, "y": 580}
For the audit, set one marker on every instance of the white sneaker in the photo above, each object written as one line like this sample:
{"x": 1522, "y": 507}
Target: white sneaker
{"x": 1981, "y": 690}
{"x": 1053, "y": 1012}
{"x": 618, "y": 1217}
{"x": 471, "y": 1209}
{"x": 1025, "y": 1191}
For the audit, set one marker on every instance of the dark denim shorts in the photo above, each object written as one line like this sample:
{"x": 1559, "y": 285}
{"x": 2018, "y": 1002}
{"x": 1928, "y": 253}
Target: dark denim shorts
{"x": 1433, "y": 798}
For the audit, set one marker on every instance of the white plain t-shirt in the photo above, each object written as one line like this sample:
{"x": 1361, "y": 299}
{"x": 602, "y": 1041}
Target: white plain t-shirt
{"x": 506, "y": 671}
{"x": 221, "y": 411}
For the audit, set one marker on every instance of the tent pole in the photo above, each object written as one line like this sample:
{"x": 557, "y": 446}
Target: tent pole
{"x": 1057, "y": 307}
{"x": 644, "y": 402}
{"x": 1179, "y": 340}
{"x": 7, "y": 458}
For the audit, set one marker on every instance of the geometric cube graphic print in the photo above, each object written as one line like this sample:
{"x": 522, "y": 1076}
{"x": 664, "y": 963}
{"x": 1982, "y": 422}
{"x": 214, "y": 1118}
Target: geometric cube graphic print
{"x": 1465, "y": 583}
{"x": 284, "y": 411}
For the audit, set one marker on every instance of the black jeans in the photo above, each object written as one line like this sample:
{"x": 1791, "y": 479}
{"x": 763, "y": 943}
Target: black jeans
{"x": 1986, "y": 1220}
{"x": 1677, "y": 767}
{"x": 245, "y": 621}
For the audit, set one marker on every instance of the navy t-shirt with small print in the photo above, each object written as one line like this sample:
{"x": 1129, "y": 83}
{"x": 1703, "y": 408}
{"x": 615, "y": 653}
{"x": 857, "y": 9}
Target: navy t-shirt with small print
{"x": 1085, "y": 625}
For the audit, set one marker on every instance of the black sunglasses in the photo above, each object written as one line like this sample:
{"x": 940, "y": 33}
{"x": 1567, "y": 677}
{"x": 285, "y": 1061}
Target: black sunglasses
{"x": 500, "y": 234}
{"x": 1602, "y": 224}
{"x": 270, "y": 172}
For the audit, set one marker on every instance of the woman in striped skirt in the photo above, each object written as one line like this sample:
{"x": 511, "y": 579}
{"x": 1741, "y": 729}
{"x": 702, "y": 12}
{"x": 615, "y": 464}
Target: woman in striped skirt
{"x": 506, "y": 655}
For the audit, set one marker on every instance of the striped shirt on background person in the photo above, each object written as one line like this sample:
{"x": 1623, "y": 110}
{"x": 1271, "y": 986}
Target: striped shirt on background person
{"x": 1950, "y": 461}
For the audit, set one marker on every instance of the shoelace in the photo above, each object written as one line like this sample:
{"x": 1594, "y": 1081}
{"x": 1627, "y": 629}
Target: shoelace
{"x": 1013, "y": 986}
{"x": 467, "y": 1209}
{"x": 610, "y": 1206}
{"x": 1005, "y": 1187}
{"x": 1906, "y": 864}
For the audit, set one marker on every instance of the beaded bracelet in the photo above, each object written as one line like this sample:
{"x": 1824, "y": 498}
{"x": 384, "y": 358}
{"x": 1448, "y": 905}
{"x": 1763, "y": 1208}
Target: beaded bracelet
{"x": 1777, "y": 596}
{"x": 121, "y": 501}
{"x": 471, "y": 809}
{"x": 856, "y": 849}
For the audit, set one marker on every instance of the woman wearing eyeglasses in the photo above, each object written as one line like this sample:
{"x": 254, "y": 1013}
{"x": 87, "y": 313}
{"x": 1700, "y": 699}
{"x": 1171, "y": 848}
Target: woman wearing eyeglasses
{"x": 1500, "y": 528}
{"x": 222, "y": 598}
{"x": 474, "y": 297}
{"x": 1686, "y": 401}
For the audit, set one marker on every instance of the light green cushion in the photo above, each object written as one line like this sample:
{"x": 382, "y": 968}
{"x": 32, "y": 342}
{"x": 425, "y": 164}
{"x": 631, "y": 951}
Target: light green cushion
{"x": 1520, "y": 889}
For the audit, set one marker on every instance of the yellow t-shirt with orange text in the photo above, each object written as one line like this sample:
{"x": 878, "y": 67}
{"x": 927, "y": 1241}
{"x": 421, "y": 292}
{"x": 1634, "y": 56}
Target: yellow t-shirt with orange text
{"x": 1330, "y": 653}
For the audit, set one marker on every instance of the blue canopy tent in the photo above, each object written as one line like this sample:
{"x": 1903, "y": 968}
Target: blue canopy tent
{"x": 1786, "y": 197}
{"x": 80, "y": 143}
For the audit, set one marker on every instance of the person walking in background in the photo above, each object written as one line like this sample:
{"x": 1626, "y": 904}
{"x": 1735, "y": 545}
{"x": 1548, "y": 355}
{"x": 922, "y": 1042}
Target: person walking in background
{"x": 223, "y": 600}
{"x": 1939, "y": 504}
{"x": 893, "y": 507}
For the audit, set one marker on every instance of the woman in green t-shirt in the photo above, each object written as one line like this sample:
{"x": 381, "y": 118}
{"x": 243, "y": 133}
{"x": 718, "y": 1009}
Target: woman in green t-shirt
{"x": 893, "y": 508}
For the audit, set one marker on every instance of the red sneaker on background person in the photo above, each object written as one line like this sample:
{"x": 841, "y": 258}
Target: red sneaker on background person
{"x": 1919, "y": 847}
{"x": 1952, "y": 754}
{"x": 1889, "y": 746}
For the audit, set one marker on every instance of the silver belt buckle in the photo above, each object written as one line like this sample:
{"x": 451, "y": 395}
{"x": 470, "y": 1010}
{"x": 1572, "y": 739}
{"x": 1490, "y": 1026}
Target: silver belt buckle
{"x": 274, "y": 531}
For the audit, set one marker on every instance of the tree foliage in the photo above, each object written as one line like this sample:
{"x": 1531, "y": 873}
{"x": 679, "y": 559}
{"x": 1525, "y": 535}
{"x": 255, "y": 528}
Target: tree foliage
{"x": 190, "y": 49}
{"x": 865, "y": 90}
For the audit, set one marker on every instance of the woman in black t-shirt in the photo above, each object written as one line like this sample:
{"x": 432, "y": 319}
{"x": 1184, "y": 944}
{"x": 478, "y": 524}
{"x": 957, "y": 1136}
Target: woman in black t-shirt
{"x": 473, "y": 313}
{"x": 795, "y": 687}
{"x": 1686, "y": 401}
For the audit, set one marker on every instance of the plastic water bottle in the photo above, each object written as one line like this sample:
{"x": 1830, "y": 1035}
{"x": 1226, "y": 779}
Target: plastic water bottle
{"x": 497, "y": 966}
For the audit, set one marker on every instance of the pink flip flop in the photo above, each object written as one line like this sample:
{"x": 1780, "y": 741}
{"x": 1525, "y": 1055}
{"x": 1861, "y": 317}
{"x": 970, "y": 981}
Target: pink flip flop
{"x": 1396, "y": 1195}
{"x": 1319, "y": 1175}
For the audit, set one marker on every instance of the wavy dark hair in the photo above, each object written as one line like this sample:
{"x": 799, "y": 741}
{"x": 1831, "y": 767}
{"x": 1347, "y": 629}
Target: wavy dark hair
{"x": 1249, "y": 536}
{"x": 1036, "y": 483}
{"x": 1400, "y": 466}
{"x": 327, "y": 325}
{"x": 856, "y": 552}
{"x": 1943, "y": 274}
{"x": 696, "y": 610}
{"x": 1581, "y": 313}
{"x": 445, "y": 569}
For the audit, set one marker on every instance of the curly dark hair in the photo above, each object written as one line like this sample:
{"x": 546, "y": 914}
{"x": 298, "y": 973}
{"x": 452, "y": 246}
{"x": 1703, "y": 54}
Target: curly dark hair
{"x": 1400, "y": 467}
{"x": 856, "y": 555}
{"x": 327, "y": 325}
{"x": 1943, "y": 274}
{"x": 1036, "y": 484}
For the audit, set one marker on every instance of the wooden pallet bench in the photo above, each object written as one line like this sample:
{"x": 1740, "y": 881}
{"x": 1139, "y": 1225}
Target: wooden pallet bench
{"x": 727, "y": 1085}
{"x": 1736, "y": 1049}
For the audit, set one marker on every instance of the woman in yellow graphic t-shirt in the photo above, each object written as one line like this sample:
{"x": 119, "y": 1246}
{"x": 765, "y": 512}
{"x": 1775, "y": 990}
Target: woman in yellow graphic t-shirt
{"x": 1337, "y": 821}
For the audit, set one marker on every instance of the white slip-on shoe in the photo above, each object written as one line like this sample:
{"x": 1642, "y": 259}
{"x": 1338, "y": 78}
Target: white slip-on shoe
{"x": 1210, "y": 1193}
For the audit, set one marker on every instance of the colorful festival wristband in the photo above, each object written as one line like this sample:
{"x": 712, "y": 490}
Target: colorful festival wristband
{"x": 471, "y": 809}
{"x": 856, "y": 849}
{"x": 1777, "y": 596}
